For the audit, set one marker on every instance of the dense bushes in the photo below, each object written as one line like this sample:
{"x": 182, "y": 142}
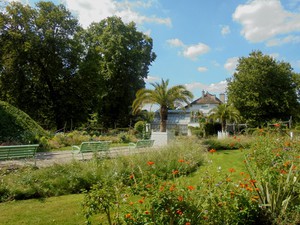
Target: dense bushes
{"x": 17, "y": 127}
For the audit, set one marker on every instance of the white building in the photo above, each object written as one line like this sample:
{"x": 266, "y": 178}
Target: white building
{"x": 180, "y": 120}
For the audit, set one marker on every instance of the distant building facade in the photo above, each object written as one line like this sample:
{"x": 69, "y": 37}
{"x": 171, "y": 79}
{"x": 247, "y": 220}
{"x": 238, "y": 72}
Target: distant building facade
{"x": 180, "y": 120}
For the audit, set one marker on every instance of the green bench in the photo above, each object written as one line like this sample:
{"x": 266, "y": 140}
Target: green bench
{"x": 142, "y": 144}
{"x": 18, "y": 152}
{"x": 91, "y": 146}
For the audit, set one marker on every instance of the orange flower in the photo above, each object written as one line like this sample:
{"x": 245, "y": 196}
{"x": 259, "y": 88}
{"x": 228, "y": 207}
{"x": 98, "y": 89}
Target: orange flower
{"x": 286, "y": 163}
{"x": 231, "y": 145}
{"x": 148, "y": 185}
{"x": 283, "y": 172}
{"x": 181, "y": 160}
{"x": 187, "y": 223}
{"x": 141, "y": 201}
{"x": 147, "y": 212}
{"x": 231, "y": 170}
{"x": 131, "y": 176}
{"x": 127, "y": 215}
{"x": 242, "y": 173}
{"x": 276, "y": 125}
{"x": 172, "y": 188}
{"x": 175, "y": 172}
{"x": 212, "y": 150}
{"x": 150, "y": 163}
{"x": 228, "y": 179}
{"x": 253, "y": 181}
{"x": 131, "y": 203}
{"x": 234, "y": 137}
{"x": 180, "y": 198}
{"x": 191, "y": 187}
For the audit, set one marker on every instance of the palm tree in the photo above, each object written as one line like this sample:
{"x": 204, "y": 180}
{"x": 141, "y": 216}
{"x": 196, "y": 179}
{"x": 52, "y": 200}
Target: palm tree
{"x": 166, "y": 98}
{"x": 224, "y": 113}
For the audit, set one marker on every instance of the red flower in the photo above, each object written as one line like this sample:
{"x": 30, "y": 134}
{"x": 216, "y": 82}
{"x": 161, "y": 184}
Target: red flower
{"x": 179, "y": 212}
{"x": 191, "y": 187}
{"x": 187, "y": 223}
{"x": 147, "y": 212}
{"x": 141, "y": 201}
{"x": 150, "y": 163}
{"x": 181, "y": 160}
{"x": 276, "y": 125}
{"x": 131, "y": 176}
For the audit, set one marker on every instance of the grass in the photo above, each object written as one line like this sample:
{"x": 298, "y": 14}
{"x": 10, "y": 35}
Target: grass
{"x": 67, "y": 209}
{"x": 56, "y": 210}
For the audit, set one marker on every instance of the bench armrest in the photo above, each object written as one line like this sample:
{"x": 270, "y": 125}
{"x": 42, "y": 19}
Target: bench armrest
{"x": 75, "y": 149}
{"x": 131, "y": 144}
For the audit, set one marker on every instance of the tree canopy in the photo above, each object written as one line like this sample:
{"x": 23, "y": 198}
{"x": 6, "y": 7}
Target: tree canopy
{"x": 263, "y": 89}
{"x": 121, "y": 56}
{"x": 59, "y": 73}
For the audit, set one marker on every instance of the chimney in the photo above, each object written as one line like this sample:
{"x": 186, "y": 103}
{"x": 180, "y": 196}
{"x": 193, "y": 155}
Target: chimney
{"x": 222, "y": 97}
{"x": 203, "y": 93}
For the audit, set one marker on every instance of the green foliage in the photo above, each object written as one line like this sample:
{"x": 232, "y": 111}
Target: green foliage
{"x": 232, "y": 142}
{"x": 17, "y": 126}
{"x": 117, "y": 54}
{"x": 166, "y": 98}
{"x": 273, "y": 162}
{"x": 263, "y": 89}
{"x": 225, "y": 113}
{"x": 29, "y": 182}
{"x": 40, "y": 54}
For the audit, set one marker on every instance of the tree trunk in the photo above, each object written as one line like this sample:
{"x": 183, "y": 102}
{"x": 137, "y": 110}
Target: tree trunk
{"x": 163, "y": 118}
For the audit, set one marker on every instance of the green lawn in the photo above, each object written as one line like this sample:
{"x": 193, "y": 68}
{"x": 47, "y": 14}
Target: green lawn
{"x": 67, "y": 209}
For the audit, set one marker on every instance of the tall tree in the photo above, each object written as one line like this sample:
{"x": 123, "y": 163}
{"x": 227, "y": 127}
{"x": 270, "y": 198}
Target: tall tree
{"x": 120, "y": 56}
{"x": 262, "y": 89}
{"x": 225, "y": 113}
{"x": 39, "y": 55}
{"x": 166, "y": 98}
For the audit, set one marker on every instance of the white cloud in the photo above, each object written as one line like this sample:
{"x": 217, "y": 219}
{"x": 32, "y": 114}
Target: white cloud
{"x": 202, "y": 69}
{"x": 193, "y": 51}
{"x": 231, "y": 64}
{"x": 274, "y": 55}
{"x": 151, "y": 79}
{"x": 89, "y": 11}
{"x": 265, "y": 19}
{"x": 175, "y": 42}
{"x": 225, "y": 30}
{"x": 285, "y": 40}
{"x": 213, "y": 88}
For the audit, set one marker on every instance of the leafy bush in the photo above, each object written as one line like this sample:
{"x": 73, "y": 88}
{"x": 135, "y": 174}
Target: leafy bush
{"x": 19, "y": 127}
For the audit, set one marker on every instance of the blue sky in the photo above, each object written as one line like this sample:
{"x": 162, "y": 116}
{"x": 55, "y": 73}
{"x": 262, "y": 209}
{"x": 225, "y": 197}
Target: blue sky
{"x": 198, "y": 42}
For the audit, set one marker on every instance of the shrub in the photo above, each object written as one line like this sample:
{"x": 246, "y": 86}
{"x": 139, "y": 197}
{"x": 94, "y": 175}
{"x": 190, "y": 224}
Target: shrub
{"x": 19, "y": 127}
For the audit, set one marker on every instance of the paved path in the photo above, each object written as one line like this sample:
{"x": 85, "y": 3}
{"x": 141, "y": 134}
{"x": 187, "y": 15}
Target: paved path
{"x": 44, "y": 159}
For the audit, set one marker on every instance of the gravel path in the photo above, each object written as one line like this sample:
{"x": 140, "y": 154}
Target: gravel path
{"x": 44, "y": 159}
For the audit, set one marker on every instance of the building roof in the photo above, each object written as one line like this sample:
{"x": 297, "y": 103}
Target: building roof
{"x": 207, "y": 98}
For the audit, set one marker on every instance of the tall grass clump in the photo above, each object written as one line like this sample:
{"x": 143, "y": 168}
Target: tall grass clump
{"x": 231, "y": 142}
{"x": 273, "y": 163}
{"x": 75, "y": 177}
